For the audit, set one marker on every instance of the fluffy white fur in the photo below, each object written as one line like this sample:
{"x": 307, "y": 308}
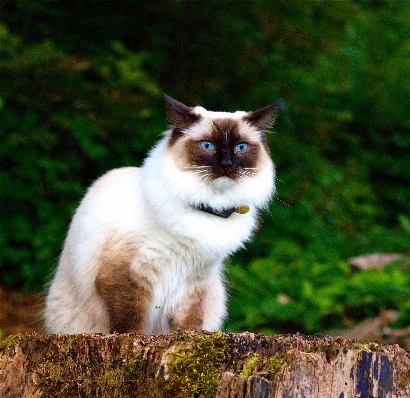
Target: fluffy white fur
{"x": 150, "y": 209}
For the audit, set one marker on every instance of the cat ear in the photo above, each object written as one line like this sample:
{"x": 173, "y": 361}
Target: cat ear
{"x": 265, "y": 117}
{"x": 179, "y": 115}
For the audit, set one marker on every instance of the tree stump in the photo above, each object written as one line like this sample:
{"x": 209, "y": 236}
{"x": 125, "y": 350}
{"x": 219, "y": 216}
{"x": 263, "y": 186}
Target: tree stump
{"x": 188, "y": 364}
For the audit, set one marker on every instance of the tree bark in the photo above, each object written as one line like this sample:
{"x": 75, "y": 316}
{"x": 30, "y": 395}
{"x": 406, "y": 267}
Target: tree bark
{"x": 188, "y": 364}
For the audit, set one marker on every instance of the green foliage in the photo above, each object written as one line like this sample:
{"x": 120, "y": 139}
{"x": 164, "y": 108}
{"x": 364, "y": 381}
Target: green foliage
{"x": 57, "y": 127}
{"x": 307, "y": 296}
{"x": 80, "y": 93}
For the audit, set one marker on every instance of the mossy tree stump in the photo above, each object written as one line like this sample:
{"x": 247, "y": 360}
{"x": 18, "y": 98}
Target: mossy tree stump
{"x": 188, "y": 364}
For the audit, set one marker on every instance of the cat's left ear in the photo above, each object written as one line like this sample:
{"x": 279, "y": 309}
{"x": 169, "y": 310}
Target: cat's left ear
{"x": 179, "y": 115}
{"x": 263, "y": 118}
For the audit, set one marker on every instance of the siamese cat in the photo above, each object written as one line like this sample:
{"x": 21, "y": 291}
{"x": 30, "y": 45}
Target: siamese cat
{"x": 145, "y": 249}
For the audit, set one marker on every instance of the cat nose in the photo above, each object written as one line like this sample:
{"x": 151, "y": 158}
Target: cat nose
{"x": 226, "y": 160}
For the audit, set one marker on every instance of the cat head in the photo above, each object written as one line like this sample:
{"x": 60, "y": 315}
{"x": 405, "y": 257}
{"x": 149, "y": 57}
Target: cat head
{"x": 210, "y": 160}
{"x": 223, "y": 149}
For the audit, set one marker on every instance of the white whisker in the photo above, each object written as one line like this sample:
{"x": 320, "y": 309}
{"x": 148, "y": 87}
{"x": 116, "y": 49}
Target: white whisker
{"x": 194, "y": 166}
{"x": 243, "y": 178}
{"x": 248, "y": 173}
{"x": 281, "y": 201}
{"x": 204, "y": 179}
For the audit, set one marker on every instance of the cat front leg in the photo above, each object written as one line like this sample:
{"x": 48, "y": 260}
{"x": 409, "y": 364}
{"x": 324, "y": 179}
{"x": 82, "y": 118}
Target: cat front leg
{"x": 203, "y": 306}
{"x": 214, "y": 305}
{"x": 126, "y": 296}
{"x": 189, "y": 313}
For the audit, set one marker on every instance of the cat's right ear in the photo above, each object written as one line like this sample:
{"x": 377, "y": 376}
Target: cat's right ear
{"x": 179, "y": 116}
{"x": 265, "y": 117}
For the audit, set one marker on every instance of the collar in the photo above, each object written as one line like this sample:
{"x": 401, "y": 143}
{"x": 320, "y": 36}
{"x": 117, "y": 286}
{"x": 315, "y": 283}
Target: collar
{"x": 224, "y": 213}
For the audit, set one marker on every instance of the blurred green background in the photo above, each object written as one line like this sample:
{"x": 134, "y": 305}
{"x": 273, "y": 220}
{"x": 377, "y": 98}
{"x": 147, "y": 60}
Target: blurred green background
{"x": 81, "y": 93}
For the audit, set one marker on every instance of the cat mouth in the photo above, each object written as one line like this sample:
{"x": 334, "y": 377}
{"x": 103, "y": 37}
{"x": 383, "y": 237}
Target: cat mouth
{"x": 218, "y": 177}
{"x": 231, "y": 173}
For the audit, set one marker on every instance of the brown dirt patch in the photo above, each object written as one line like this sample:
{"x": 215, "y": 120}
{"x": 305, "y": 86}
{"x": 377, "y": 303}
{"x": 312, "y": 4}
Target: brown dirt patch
{"x": 20, "y": 313}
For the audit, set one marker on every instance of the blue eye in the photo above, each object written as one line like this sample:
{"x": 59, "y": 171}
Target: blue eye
{"x": 241, "y": 147}
{"x": 207, "y": 145}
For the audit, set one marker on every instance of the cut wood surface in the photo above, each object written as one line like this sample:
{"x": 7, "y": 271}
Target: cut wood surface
{"x": 187, "y": 364}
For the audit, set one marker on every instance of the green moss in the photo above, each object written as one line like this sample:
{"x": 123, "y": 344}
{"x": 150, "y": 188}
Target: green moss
{"x": 308, "y": 357}
{"x": 248, "y": 368}
{"x": 58, "y": 378}
{"x": 68, "y": 380}
{"x": 182, "y": 335}
{"x": 131, "y": 373}
{"x": 195, "y": 367}
{"x": 272, "y": 365}
{"x": 364, "y": 346}
{"x": 14, "y": 339}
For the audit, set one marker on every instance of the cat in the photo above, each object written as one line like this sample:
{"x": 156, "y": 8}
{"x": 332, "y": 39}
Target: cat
{"x": 145, "y": 249}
